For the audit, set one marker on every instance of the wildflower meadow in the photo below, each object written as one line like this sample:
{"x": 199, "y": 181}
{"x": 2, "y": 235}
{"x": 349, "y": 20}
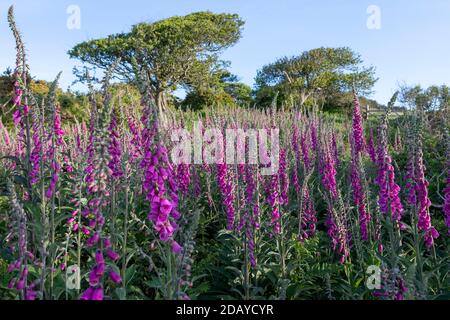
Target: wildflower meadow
{"x": 140, "y": 200}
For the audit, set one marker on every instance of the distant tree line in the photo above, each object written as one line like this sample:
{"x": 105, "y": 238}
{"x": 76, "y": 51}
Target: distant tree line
{"x": 183, "y": 52}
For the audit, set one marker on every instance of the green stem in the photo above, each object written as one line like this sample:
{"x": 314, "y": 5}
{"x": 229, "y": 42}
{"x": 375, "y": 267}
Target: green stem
{"x": 125, "y": 240}
{"x": 246, "y": 269}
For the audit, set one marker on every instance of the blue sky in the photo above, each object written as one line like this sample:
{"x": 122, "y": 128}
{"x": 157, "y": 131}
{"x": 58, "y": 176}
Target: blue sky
{"x": 412, "y": 46}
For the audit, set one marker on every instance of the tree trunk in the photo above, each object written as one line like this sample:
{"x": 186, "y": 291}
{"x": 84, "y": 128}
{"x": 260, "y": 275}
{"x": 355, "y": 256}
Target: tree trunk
{"x": 161, "y": 104}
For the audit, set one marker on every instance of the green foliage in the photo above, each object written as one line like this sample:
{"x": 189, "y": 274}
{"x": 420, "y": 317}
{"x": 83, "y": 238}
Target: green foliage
{"x": 432, "y": 98}
{"x": 177, "y": 51}
{"x": 325, "y": 73}
{"x": 222, "y": 89}
{"x": 213, "y": 263}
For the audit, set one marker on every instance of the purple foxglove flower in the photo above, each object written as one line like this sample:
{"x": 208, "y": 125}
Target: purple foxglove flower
{"x": 114, "y": 256}
{"x": 11, "y": 284}
{"x": 99, "y": 257}
{"x": 20, "y": 284}
{"x": 283, "y": 178}
{"x": 424, "y": 202}
{"x": 273, "y": 200}
{"x": 11, "y": 267}
{"x": 17, "y": 117}
{"x": 359, "y": 200}
{"x": 30, "y": 295}
{"x": 329, "y": 173}
{"x": 305, "y": 151}
{"x": 115, "y": 277}
{"x": 165, "y": 207}
{"x": 107, "y": 243}
{"x": 94, "y": 278}
{"x": 59, "y": 133}
{"x": 93, "y": 240}
{"x": 357, "y": 132}
{"x": 115, "y": 150}
{"x": 87, "y": 295}
{"x": 446, "y": 191}
{"x": 176, "y": 248}
{"x": 97, "y": 294}
{"x": 99, "y": 269}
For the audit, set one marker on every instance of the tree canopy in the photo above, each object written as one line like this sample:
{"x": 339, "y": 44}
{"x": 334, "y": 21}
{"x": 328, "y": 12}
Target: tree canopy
{"x": 326, "y": 72}
{"x": 432, "y": 98}
{"x": 177, "y": 51}
{"x": 223, "y": 88}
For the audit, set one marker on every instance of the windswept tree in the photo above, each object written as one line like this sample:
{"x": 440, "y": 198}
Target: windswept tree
{"x": 175, "y": 52}
{"x": 326, "y": 72}
{"x": 433, "y": 98}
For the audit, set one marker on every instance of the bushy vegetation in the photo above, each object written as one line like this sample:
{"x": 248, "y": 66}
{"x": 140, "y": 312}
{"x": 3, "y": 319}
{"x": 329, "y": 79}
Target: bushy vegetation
{"x": 93, "y": 207}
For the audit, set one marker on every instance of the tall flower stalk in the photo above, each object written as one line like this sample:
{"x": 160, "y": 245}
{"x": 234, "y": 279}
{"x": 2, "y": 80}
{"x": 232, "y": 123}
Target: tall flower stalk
{"x": 424, "y": 202}
{"x": 98, "y": 172}
{"x": 388, "y": 199}
{"x": 357, "y": 144}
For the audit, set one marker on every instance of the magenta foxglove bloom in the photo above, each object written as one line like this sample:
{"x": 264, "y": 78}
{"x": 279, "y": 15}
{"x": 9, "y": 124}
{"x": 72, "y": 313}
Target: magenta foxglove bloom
{"x": 30, "y": 295}
{"x": 305, "y": 151}
{"x": 357, "y": 127}
{"x": 176, "y": 248}
{"x": 52, "y": 186}
{"x": 135, "y": 143}
{"x": 273, "y": 199}
{"x": 389, "y": 200}
{"x": 283, "y": 178}
{"x": 183, "y": 177}
{"x": 307, "y": 225}
{"x": 424, "y": 202}
{"x": 20, "y": 284}
{"x": 296, "y": 148}
{"x": 59, "y": 133}
{"x": 99, "y": 269}
{"x": 114, "y": 256}
{"x": 99, "y": 257}
{"x": 226, "y": 188}
{"x": 107, "y": 243}
{"x": 87, "y": 295}
{"x": 410, "y": 185}
{"x": 314, "y": 136}
{"x": 6, "y": 136}
{"x": 338, "y": 235}
{"x": 17, "y": 100}
{"x": 159, "y": 183}
{"x": 334, "y": 147}
{"x": 94, "y": 277}
{"x": 329, "y": 173}
{"x": 447, "y": 201}
{"x": 165, "y": 229}
{"x": 115, "y": 150}
{"x": 249, "y": 220}
{"x": 93, "y": 240}
{"x": 115, "y": 277}
{"x": 17, "y": 117}
{"x": 359, "y": 200}
{"x": 35, "y": 156}
{"x": 97, "y": 294}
